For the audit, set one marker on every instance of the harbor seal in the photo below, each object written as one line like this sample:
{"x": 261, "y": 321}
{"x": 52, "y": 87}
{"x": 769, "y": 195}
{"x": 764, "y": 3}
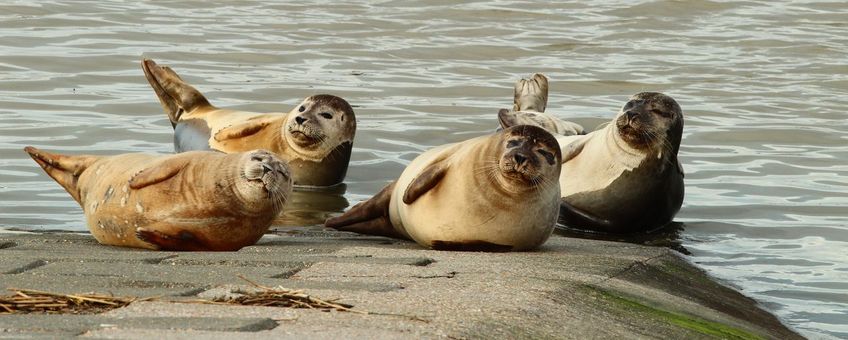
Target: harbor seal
{"x": 496, "y": 193}
{"x": 315, "y": 138}
{"x": 529, "y": 104}
{"x": 625, "y": 177}
{"x": 199, "y": 200}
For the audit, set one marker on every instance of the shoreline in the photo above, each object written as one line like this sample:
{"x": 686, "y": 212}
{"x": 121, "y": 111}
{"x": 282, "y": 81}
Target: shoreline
{"x": 572, "y": 288}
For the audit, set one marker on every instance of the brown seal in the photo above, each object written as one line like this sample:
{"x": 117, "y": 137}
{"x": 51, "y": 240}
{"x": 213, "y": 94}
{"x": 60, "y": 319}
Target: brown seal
{"x": 198, "y": 200}
{"x": 316, "y": 137}
{"x": 496, "y": 192}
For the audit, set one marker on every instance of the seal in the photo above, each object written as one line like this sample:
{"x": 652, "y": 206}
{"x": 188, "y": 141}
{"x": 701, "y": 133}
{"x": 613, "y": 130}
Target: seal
{"x": 529, "y": 103}
{"x": 625, "y": 177}
{"x": 495, "y": 193}
{"x": 199, "y": 201}
{"x": 315, "y": 138}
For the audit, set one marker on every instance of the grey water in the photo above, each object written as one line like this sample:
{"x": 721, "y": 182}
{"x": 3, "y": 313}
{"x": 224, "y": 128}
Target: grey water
{"x": 763, "y": 85}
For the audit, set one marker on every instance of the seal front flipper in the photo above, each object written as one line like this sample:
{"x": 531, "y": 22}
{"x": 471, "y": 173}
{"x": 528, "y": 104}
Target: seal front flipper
{"x": 158, "y": 173}
{"x": 65, "y": 170}
{"x": 571, "y": 216}
{"x": 427, "y": 179}
{"x": 181, "y": 240}
{"x": 571, "y": 147}
{"x": 370, "y": 217}
{"x": 177, "y": 96}
{"x": 245, "y": 129}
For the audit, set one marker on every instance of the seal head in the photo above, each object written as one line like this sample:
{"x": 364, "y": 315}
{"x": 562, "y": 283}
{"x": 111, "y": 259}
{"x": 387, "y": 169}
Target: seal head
{"x": 319, "y": 124}
{"x": 650, "y": 121}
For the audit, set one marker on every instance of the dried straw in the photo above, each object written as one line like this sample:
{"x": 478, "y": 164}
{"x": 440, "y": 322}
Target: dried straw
{"x": 25, "y": 301}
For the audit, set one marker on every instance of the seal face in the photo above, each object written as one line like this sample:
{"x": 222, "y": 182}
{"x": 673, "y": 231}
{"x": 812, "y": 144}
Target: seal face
{"x": 191, "y": 201}
{"x": 495, "y": 193}
{"x": 320, "y": 123}
{"x": 316, "y": 137}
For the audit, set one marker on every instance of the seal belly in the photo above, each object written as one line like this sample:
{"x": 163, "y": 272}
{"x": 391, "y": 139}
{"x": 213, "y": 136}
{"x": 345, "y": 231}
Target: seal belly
{"x": 191, "y": 135}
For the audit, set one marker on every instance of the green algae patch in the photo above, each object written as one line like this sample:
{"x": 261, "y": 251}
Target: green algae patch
{"x": 692, "y": 323}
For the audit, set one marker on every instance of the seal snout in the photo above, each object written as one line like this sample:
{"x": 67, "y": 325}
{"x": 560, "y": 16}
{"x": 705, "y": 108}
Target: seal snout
{"x": 273, "y": 173}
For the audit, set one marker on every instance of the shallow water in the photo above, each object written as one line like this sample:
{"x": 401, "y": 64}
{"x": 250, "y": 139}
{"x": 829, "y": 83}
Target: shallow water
{"x": 763, "y": 86}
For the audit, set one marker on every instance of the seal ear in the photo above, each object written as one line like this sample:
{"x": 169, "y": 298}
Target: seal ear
{"x": 245, "y": 129}
{"x": 158, "y": 173}
{"x": 426, "y": 180}
{"x": 65, "y": 170}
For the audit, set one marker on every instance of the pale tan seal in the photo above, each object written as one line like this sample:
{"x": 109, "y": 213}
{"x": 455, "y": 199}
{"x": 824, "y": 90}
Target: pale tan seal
{"x": 316, "y": 137}
{"x": 625, "y": 177}
{"x": 529, "y": 104}
{"x": 496, "y": 192}
{"x": 198, "y": 200}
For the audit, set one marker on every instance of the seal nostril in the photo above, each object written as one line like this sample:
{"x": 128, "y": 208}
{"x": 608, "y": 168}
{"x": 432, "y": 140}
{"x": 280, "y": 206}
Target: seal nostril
{"x": 631, "y": 114}
{"x": 519, "y": 159}
{"x": 266, "y": 168}
{"x": 300, "y": 120}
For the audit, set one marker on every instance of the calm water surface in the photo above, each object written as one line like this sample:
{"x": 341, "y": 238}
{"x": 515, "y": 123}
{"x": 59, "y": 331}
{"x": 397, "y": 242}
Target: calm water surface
{"x": 764, "y": 87}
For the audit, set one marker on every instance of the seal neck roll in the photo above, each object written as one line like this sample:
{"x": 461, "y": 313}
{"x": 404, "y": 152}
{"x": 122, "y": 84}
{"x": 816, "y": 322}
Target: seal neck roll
{"x": 632, "y": 157}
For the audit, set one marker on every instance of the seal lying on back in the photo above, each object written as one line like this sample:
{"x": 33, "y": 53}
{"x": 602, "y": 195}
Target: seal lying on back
{"x": 197, "y": 200}
{"x": 625, "y": 177}
{"x": 496, "y": 193}
{"x": 316, "y": 137}
{"x": 529, "y": 103}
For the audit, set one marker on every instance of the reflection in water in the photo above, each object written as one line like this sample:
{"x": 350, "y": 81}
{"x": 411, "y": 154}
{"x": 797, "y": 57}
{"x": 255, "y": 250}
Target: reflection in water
{"x": 666, "y": 236}
{"x": 310, "y": 206}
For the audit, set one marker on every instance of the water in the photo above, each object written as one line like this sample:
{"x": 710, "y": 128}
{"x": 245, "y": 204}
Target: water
{"x": 763, "y": 86}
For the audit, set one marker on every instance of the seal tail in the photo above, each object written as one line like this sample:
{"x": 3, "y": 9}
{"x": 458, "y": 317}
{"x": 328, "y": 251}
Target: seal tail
{"x": 65, "y": 170}
{"x": 531, "y": 94}
{"x": 176, "y": 96}
{"x": 370, "y": 217}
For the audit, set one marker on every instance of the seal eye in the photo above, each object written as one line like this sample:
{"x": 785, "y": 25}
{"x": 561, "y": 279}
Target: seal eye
{"x": 513, "y": 143}
{"x": 256, "y": 158}
{"x": 326, "y": 115}
{"x": 301, "y": 108}
{"x": 660, "y": 113}
{"x": 548, "y": 156}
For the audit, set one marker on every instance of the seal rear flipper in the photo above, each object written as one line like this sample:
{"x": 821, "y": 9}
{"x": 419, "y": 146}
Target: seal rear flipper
{"x": 181, "y": 240}
{"x": 158, "y": 173}
{"x": 245, "y": 129}
{"x": 571, "y": 216}
{"x": 65, "y": 170}
{"x": 531, "y": 94}
{"x": 370, "y": 217}
{"x": 176, "y": 96}
{"x": 427, "y": 179}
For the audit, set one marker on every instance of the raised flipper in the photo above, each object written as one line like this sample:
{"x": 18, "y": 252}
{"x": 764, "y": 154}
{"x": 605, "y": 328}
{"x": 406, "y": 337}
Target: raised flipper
{"x": 245, "y": 129}
{"x": 181, "y": 240}
{"x": 176, "y": 96}
{"x": 424, "y": 181}
{"x": 531, "y": 94}
{"x": 65, "y": 170}
{"x": 159, "y": 172}
{"x": 370, "y": 217}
